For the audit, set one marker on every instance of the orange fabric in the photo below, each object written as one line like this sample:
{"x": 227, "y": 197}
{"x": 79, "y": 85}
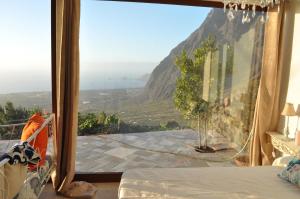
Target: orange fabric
{"x": 41, "y": 141}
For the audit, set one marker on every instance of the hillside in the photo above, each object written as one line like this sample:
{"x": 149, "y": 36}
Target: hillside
{"x": 123, "y": 102}
{"x": 162, "y": 81}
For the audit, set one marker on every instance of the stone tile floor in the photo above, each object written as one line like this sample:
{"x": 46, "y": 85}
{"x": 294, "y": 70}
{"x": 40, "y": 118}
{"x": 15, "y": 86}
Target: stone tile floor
{"x": 119, "y": 152}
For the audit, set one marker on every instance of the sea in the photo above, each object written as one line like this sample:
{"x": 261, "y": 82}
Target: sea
{"x": 34, "y": 85}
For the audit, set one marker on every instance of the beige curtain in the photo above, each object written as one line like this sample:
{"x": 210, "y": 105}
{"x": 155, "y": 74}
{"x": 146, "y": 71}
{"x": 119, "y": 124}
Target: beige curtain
{"x": 273, "y": 84}
{"x": 65, "y": 77}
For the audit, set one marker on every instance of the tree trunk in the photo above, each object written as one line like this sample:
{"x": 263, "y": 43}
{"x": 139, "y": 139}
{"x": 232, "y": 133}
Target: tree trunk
{"x": 205, "y": 133}
{"x": 199, "y": 134}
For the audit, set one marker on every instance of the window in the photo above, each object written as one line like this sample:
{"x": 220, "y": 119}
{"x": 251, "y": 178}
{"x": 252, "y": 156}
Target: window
{"x": 25, "y": 64}
{"x": 155, "y": 77}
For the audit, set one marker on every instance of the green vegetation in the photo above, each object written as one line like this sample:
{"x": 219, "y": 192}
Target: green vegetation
{"x": 227, "y": 109}
{"x": 104, "y": 123}
{"x": 189, "y": 86}
{"x": 11, "y": 115}
{"x": 88, "y": 123}
{"x": 91, "y": 124}
{"x": 188, "y": 96}
{"x": 126, "y": 103}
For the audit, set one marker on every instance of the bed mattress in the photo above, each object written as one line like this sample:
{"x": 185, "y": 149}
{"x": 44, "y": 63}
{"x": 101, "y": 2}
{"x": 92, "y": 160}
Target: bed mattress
{"x": 206, "y": 183}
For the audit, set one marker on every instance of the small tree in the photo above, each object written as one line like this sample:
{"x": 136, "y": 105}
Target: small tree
{"x": 189, "y": 86}
{"x": 102, "y": 117}
{"x": 112, "y": 123}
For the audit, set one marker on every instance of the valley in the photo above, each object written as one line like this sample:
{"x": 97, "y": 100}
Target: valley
{"x": 126, "y": 103}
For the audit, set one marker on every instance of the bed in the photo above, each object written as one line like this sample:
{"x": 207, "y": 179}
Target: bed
{"x": 206, "y": 183}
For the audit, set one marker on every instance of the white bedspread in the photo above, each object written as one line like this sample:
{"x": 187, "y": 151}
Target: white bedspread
{"x": 206, "y": 183}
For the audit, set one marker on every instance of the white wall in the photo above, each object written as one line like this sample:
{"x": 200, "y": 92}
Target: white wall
{"x": 293, "y": 95}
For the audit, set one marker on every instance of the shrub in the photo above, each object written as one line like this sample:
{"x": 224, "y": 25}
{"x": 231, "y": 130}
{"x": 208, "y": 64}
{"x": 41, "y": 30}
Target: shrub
{"x": 91, "y": 124}
{"x": 88, "y": 124}
{"x": 172, "y": 125}
{"x": 11, "y": 115}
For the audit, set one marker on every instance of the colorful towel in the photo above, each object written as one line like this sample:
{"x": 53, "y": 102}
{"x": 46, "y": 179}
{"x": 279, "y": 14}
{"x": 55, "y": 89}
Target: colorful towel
{"x": 23, "y": 154}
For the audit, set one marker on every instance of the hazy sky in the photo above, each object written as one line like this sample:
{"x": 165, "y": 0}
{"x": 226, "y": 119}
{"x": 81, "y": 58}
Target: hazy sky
{"x": 125, "y": 37}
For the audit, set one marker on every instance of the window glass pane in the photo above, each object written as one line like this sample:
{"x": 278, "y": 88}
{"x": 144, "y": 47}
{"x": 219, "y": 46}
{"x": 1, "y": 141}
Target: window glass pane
{"x": 155, "y": 77}
{"x": 25, "y": 64}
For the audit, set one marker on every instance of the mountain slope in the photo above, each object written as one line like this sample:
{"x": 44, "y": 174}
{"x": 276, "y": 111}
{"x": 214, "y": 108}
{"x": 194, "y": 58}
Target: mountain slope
{"x": 162, "y": 81}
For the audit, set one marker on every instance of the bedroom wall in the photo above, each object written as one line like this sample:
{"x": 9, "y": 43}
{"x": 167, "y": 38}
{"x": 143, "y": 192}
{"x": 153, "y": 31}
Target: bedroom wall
{"x": 293, "y": 95}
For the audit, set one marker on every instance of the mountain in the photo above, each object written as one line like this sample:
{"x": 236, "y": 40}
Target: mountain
{"x": 145, "y": 77}
{"x": 162, "y": 81}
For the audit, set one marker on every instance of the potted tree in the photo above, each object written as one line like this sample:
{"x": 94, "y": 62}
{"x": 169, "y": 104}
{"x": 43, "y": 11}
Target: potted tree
{"x": 189, "y": 89}
{"x": 201, "y": 111}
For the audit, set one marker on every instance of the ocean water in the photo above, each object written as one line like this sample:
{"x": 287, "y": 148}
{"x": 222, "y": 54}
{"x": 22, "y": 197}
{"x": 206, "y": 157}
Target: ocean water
{"x": 19, "y": 83}
{"x": 110, "y": 83}
{"x": 92, "y": 76}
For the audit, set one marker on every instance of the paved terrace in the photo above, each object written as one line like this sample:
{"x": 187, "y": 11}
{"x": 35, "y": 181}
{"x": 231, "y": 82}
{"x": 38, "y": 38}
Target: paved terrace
{"x": 119, "y": 152}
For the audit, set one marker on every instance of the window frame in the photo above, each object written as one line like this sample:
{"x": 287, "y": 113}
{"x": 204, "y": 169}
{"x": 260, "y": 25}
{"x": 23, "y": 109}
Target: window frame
{"x": 105, "y": 177}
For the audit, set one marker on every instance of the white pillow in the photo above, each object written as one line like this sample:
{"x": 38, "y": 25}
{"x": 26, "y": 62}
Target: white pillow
{"x": 282, "y": 161}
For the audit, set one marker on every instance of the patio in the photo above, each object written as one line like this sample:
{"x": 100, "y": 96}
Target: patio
{"x": 119, "y": 152}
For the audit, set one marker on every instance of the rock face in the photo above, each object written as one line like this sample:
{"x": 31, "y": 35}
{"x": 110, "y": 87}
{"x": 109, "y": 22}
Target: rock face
{"x": 162, "y": 81}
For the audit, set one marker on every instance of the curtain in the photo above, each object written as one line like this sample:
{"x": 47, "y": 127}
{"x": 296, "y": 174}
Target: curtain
{"x": 65, "y": 89}
{"x": 273, "y": 84}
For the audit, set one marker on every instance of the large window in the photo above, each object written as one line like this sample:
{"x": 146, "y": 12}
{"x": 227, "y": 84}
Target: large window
{"x": 25, "y": 64}
{"x": 158, "y": 81}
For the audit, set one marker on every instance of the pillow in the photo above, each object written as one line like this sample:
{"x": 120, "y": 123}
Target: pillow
{"x": 282, "y": 161}
{"x": 291, "y": 172}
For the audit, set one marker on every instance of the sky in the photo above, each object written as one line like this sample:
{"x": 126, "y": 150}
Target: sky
{"x": 117, "y": 40}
